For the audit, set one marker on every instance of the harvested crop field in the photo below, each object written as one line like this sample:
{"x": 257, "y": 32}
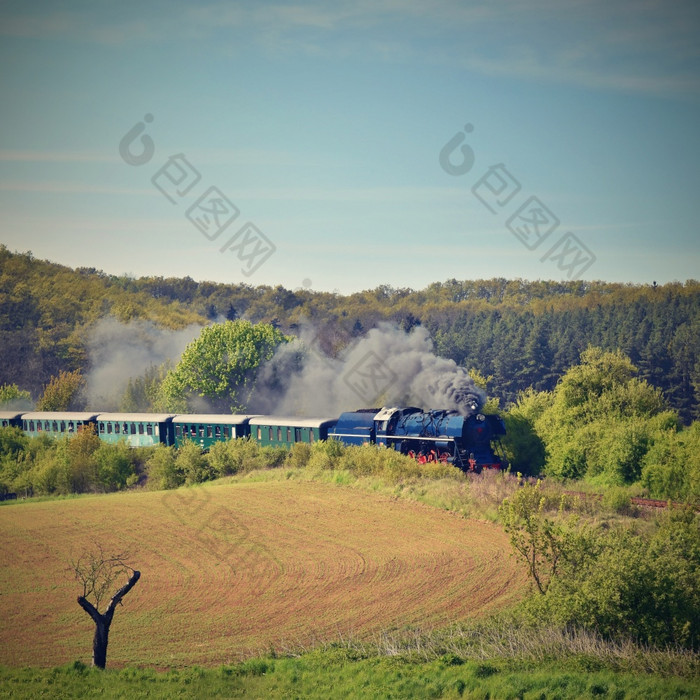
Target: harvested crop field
{"x": 230, "y": 570}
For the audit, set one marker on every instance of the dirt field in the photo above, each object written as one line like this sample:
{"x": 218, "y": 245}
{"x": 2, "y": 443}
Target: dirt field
{"x": 230, "y": 570}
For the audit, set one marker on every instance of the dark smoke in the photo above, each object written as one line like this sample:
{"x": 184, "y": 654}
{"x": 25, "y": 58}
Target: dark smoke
{"x": 387, "y": 367}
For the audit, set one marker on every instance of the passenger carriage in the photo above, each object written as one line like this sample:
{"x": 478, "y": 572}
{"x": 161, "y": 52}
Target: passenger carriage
{"x": 56, "y": 423}
{"x": 136, "y": 429}
{"x": 284, "y": 431}
{"x": 206, "y": 429}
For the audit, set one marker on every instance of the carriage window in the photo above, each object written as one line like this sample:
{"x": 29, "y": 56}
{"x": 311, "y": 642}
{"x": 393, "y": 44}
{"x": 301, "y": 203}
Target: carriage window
{"x": 289, "y": 434}
{"x": 178, "y": 431}
{"x": 269, "y": 434}
{"x": 279, "y": 434}
{"x": 201, "y": 431}
{"x": 140, "y": 428}
{"x": 149, "y": 429}
{"x": 62, "y": 426}
{"x": 133, "y": 428}
{"x": 311, "y": 435}
{"x": 156, "y": 429}
{"x": 70, "y": 426}
{"x": 210, "y": 432}
{"x": 217, "y": 431}
{"x": 31, "y": 426}
{"x": 259, "y": 433}
{"x": 55, "y": 426}
{"x": 102, "y": 427}
{"x": 109, "y": 428}
{"x": 116, "y": 428}
{"x": 226, "y": 431}
{"x": 297, "y": 434}
{"x": 125, "y": 428}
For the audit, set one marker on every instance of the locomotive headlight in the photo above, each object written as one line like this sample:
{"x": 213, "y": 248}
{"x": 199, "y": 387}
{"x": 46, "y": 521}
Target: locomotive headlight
{"x": 480, "y": 416}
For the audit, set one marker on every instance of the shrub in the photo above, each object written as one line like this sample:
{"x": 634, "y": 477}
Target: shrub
{"x": 115, "y": 465}
{"x": 299, "y": 455}
{"x": 192, "y": 464}
{"x": 162, "y": 470}
{"x": 327, "y": 454}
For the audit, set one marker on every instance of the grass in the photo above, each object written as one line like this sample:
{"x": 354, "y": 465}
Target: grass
{"x": 339, "y": 672}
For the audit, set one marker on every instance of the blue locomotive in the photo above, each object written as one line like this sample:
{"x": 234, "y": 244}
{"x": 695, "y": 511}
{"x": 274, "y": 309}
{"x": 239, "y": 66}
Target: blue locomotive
{"x": 470, "y": 443}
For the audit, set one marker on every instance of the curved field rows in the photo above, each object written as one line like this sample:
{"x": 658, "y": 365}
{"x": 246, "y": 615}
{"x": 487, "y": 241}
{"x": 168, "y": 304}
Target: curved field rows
{"x": 230, "y": 570}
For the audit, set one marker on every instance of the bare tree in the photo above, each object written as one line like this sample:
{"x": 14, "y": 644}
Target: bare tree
{"x": 98, "y": 574}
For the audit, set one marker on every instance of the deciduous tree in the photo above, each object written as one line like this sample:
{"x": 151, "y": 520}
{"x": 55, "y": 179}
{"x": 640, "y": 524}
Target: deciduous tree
{"x": 99, "y": 573}
{"x": 221, "y": 365}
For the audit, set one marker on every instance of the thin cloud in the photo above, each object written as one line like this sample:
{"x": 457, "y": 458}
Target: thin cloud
{"x": 64, "y": 187}
{"x": 24, "y": 156}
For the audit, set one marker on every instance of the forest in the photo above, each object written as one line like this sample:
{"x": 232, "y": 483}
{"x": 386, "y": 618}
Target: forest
{"x": 520, "y": 334}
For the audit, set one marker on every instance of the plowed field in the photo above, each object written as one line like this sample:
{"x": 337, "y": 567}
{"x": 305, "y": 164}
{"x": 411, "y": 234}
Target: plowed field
{"x": 230, "y": 570}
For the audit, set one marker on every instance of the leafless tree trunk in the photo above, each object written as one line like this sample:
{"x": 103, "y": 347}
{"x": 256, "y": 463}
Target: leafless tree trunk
{"x": 97, "y": 573}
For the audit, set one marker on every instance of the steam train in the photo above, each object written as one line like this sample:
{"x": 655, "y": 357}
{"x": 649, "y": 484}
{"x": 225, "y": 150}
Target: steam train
{"x": 468, "y": 442}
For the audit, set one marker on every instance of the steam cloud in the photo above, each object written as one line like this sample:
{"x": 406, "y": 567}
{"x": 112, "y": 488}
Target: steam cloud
{"x": 119, "y": 352}
{"x": 387, "y": 367}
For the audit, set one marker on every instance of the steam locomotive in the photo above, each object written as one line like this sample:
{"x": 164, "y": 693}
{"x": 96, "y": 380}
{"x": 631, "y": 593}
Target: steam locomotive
{"x": 468, "y": 442}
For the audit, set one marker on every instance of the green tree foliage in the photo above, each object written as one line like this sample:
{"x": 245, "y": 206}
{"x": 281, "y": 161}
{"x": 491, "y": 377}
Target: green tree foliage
{"x": 524, "y": 448}
{"x": 540, "y": 541}
{"x": 11, "y": 396}
{"x": 62, "y": 392}
{"x": 77, "y": 463}
{"x": 221, "y": 366}
{"x": 115, "y": 466}
{"x": 13, "y": 444}
{"x": 611, "y": 581}
{"x": 626, "y": 585}
{"x": 193, "y": 464}
{"x": 671, "y": 467}
{"x": 161, "y": 469}
{"x": 599, "y": 421}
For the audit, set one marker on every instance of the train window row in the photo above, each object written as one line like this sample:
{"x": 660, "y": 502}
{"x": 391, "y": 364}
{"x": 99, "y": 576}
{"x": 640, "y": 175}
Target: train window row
{"x": 286, "y": 435}
{"x": 210, "y": 431}
{"x": 48, "y": 426}
{"x": 128, "y": 428}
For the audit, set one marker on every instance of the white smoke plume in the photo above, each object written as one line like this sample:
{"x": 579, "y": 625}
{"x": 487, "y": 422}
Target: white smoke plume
{"x": 119, "y": 352}
{"x": 386, "y": 367}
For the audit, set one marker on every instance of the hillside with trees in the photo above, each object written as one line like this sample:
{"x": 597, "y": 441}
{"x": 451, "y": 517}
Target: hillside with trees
{"x": 520, "y": 334}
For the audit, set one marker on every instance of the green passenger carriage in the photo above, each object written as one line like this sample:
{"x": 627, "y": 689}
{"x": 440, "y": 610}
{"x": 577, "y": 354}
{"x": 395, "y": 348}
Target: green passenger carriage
{"x": 206, "y": 429}
{"x": 282, "y": 431}
{"x": 136, "y": 429}
{"x": 56, "y": 423}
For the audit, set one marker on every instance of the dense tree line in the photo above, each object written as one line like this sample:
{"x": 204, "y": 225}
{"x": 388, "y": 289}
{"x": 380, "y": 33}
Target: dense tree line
{"x": 522, "y": 334}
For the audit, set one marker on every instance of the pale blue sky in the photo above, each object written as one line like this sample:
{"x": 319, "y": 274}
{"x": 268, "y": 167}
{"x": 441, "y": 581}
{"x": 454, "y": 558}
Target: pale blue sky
{"x": 323, "y": 125}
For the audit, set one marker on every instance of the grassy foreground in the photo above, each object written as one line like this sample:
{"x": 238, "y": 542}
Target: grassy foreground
{"x": 333, "y": 674}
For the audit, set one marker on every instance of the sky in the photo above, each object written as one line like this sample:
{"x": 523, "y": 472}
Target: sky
{"x": 342, "y": 146}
